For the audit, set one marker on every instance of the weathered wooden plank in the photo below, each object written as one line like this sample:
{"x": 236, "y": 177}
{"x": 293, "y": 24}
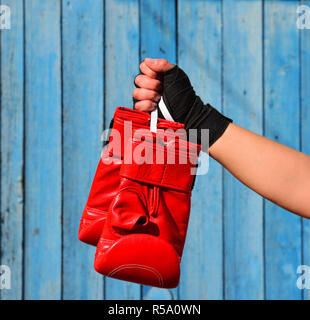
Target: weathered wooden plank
{"x": 158, "y": 29}
{"x": 305, "y": 128}
{"x": 158, "y": 40}
{"x": 12, "y": 87}
{"x": 122, "y": 60}
{"x": 199, "y": 26}
{"x": 199, "y": 50}
{"x": 83, "y": 57}
{"x": 43, "y": 151}
{"x": 281, "y": 56}
{"x": 243, "y": 209}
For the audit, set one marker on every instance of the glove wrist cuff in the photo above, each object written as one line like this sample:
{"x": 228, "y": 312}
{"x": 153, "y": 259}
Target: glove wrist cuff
{"x": 172, "y": 165}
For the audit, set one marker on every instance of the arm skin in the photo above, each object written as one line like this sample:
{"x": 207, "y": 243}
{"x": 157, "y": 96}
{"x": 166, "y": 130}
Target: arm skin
{"x": 274, "y": 171}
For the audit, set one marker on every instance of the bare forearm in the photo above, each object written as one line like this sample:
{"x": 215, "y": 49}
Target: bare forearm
{"x": 275, "y": 171}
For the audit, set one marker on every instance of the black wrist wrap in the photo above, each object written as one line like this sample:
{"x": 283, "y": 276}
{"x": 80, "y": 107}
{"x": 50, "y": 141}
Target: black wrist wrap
{"x": 186, "y": 107}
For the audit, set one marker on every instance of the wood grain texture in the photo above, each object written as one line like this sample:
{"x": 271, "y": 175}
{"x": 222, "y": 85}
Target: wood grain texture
{"x": 83, "y": 69}
{"x": 200, "y": 56}
{"x": 12, "y": 143}
{"x": 158, "y": 29}
{"x": 67, "y": 64}
{"x": 282, "y": 121}
{"x": 305, "y": 128}
{"x": 242, "y": 95}
{"x": 42, "y": 268}
{"x": 122, "y": 64}
{"x": 158, "y": 40}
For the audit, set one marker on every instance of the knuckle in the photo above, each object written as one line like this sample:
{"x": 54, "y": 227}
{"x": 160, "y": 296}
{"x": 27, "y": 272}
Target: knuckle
{"x": 163, "y": 62}
{"x": 143, "y": 67}
{"x": 154, "y": 95}
{"x": 158, "y": 84}
{"x": 138, "y": 78}
{"x": 148, "y": 81}
{"x": 144, "y": 105}
{"x": 137, "y": 106}
{"x": 148, "y": 104}
{"x": 135, "y": 92}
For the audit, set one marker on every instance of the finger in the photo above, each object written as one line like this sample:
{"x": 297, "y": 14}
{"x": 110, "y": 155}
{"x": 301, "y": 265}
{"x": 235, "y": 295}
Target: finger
{"x": 146, "y": 82}
{"x": 145, "y": 105}
{"x": 146, "y": 94}
{"x": 148, "y": 72}
{"x": 158, "y": 65}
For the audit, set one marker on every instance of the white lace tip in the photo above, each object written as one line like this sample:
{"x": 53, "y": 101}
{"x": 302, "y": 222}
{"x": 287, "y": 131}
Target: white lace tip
{"x": 154, "y": 118}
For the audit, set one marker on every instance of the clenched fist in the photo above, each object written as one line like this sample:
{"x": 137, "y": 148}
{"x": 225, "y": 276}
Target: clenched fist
{"x": 161, "y": 78}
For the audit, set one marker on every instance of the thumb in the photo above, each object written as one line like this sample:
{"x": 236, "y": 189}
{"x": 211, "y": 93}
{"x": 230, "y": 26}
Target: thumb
{"x": 158, "y": 65}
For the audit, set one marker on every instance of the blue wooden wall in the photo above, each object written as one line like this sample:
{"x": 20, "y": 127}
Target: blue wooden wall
{"x": 66, "y": 65}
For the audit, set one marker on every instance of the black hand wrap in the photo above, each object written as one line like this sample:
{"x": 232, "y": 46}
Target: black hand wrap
{"x": 186, "y": 107}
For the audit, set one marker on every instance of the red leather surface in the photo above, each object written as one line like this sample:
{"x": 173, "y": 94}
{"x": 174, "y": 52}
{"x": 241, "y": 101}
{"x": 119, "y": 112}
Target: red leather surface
{"x": 107, "y": 178}
{"x": 174, "y": 171}
{"x": 142, "y": 259}
{"x": 147, "y": 221}
{"x": 102, "y": 192}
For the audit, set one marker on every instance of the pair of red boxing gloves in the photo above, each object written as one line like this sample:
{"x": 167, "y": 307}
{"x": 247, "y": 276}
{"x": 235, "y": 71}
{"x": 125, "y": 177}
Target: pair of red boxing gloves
{"x": 138, "y": 208}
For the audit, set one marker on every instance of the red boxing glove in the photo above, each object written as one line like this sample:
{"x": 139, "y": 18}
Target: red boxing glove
{"x": 144, "y": 234}
{"x": 106, "y": 181}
